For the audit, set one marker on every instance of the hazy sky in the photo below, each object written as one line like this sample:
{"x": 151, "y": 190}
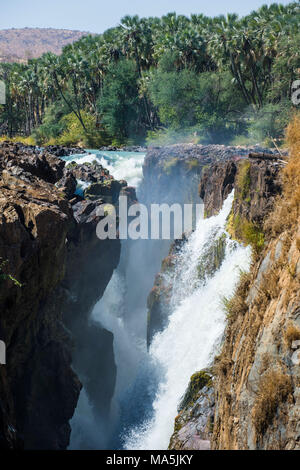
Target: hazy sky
{"x": 98, "y": 15}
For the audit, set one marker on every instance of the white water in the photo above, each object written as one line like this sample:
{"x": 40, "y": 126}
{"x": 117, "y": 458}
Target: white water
{"x": 195, "y": 328}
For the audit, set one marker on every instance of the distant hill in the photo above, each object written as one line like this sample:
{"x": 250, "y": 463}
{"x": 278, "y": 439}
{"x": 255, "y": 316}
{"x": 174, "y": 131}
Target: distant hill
{"x": 19, "y": 45}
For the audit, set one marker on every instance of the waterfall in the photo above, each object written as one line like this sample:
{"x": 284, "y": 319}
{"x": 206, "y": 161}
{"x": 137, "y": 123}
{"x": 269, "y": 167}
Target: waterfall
{"x": 191, "y": 339}
{"x": 151, "y": 384}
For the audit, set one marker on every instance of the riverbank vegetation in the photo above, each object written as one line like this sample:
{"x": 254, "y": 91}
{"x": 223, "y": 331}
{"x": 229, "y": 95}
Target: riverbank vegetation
{"x": 200, "y": 79}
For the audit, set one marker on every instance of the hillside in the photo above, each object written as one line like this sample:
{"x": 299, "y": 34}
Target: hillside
{"x": 18, "y": 45}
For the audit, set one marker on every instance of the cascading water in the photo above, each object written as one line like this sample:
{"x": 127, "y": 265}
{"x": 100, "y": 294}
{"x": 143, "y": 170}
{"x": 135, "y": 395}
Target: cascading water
{"x": 190, "y": 340}
{"x": 150, "y": 384}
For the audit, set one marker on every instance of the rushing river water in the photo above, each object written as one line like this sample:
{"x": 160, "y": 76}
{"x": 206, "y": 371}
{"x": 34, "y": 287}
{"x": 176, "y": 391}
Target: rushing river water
{"x": 151, "y": 383}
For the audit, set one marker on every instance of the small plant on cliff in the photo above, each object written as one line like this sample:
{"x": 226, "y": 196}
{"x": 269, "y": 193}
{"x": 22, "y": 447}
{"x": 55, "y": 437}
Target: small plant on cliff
{"x": 7, "y": 277}
{"x": 273, "y": 389}
{"x": 253, "y": 235}
{"x": 292, "y": 333}
{"x": 244, "y": 179}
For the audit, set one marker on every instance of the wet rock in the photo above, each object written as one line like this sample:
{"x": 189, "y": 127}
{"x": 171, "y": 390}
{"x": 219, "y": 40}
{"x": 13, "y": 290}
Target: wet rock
{"x": 128, "y": 148}
{"x": 89, "y": 172}
{"x": 109, "y": 190}
{"x": 68, "y": 184}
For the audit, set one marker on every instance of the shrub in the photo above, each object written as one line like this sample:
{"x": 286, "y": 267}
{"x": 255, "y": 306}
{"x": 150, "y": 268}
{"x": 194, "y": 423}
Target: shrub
{"x": 74, "y": 133}
{"x": 243, "y": 179}
{"x": 198, "y": 381}
{"x": 236, "y": 305}
{"x": 292, "y": 333}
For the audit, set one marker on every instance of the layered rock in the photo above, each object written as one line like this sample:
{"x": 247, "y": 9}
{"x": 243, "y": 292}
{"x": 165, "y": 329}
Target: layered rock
{"x": 257, "y": 373}
{"x": 172, "y": 173}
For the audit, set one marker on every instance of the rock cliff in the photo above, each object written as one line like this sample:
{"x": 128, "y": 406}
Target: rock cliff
{"x": 53, "y": 270}
{"x": 255, "y": 403}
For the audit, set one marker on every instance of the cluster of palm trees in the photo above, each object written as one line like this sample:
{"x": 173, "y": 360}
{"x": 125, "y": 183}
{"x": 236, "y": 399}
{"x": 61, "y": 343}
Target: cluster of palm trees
{"x": 256, "y": 49}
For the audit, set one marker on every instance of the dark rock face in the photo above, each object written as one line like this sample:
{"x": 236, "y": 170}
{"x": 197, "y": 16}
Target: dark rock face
{"x": 89, "y": 172}
{"x": 55, "y": 270}
{"x": 90, "y": 265}
{"x": 256, "y": 184}
{"x": 216, "y": 184}
{"x": 68, "y": 184}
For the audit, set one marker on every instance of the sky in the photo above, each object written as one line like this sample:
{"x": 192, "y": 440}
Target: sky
{"x": 97, "y": 15}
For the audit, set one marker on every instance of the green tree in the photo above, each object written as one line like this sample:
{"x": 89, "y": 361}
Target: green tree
{"x": 120, "y": 105}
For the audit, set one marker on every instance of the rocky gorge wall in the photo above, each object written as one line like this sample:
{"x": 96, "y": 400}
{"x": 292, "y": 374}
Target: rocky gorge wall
{"x": 250, "y": 398}
{"x": 53, "y": 270}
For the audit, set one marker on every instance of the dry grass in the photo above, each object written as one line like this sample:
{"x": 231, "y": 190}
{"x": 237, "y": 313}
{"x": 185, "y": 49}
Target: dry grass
{"x": 221, "y": 365}
{"x": 292, "y": 333}
{"x": 287, "y": 208}
{"x": 236, "y": 305}
{"x": 269, "y": 287}
{"x": 274, "y": 389}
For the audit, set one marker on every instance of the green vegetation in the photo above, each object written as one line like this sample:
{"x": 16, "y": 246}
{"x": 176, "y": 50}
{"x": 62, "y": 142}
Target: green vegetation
{"x": 236, "y": 305}
{"x": 244, "y": 179}
{"x": 198, "y": 381}
{"x": 173, "y": 79}
{"x": 170, "y": 165}
{"x": 7, "y": 277}
{"x": 245, "y": 231}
